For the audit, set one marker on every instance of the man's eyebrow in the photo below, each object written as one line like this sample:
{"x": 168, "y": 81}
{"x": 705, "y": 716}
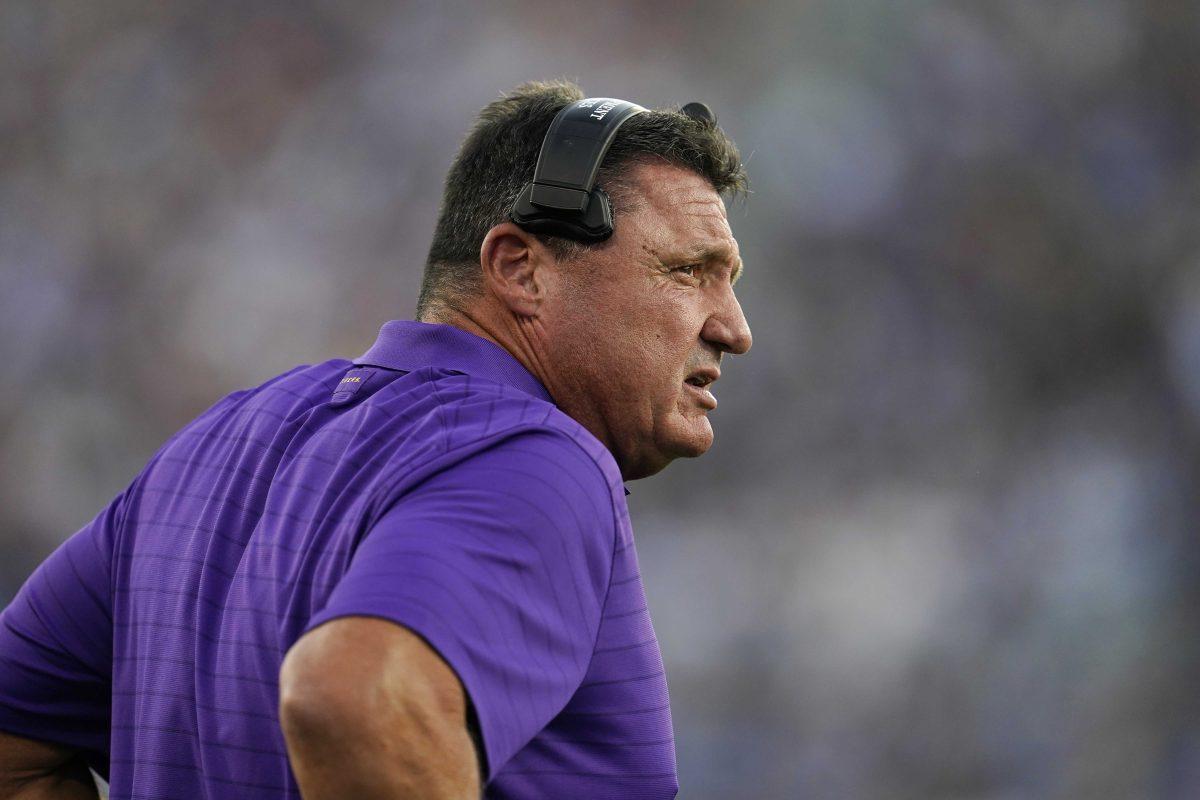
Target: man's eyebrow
{"x": 722, "y": 254}
{"x": 737, "y": 271}
{"x": 703, "y": 253}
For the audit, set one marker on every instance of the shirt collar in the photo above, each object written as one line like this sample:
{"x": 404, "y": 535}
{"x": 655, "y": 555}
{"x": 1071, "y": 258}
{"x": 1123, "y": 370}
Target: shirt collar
{"x": 407, "y": 345}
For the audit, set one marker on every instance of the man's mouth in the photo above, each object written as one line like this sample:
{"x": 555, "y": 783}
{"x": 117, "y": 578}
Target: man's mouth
{"x": 699, "y": 382}
{"x": 703, "y": 377}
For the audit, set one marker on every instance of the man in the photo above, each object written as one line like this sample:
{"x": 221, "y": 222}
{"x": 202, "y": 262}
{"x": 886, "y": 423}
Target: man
{"x": 411, "y": 575}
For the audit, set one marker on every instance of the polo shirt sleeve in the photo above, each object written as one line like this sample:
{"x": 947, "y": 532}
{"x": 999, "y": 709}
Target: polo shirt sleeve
{"x": 56, "y": 643}
{"x": 501, "y": 563}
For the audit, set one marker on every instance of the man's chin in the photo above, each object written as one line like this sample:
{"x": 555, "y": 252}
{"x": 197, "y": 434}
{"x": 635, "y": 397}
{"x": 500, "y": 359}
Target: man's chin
{"x": 689, "y": 442}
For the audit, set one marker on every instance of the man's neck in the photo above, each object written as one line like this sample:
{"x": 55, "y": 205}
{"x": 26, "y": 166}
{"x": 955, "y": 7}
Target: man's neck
{"x": 523, "y": 338}
{"x": 518, "y": 338}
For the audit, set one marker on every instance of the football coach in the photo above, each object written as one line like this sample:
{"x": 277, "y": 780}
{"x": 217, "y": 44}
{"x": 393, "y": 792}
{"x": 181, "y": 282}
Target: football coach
{"x": 412, "y": 575}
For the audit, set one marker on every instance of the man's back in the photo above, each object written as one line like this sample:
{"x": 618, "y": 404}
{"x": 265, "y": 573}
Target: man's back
{"x": 431, "y": 482}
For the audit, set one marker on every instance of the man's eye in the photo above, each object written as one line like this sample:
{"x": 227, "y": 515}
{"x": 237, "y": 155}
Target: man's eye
{"x": 689, "y": 270}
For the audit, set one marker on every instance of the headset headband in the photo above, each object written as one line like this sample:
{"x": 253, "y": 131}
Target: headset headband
{"x": 562, "y": 199}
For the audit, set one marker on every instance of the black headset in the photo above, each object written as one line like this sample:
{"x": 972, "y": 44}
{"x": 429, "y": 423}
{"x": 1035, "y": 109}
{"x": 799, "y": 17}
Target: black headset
{"x": 563, "y": 199}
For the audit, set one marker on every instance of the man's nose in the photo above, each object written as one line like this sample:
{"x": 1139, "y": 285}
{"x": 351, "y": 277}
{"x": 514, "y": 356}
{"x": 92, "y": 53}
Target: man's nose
{"x": 726, "y": 328}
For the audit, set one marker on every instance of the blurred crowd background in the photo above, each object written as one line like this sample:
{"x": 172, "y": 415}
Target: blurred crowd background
{"x": 945, "y": 543}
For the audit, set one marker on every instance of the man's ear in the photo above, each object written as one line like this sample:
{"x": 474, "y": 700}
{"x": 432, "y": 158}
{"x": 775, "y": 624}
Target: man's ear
{"x": 516, "y": 268}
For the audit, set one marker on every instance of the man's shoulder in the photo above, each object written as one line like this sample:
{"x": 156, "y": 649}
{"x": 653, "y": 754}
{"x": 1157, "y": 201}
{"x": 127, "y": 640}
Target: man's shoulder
{"x": 278, "y": 397}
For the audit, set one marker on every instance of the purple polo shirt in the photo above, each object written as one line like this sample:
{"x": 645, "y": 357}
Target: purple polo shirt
{"x": 431, "y": 482}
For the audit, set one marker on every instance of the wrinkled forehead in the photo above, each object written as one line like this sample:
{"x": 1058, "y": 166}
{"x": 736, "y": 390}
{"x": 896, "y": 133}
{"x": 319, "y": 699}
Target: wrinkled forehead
{"x": 682, "y": 214}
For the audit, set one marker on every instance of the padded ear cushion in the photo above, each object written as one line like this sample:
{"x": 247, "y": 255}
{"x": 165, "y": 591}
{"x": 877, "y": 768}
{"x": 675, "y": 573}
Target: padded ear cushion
{"x": 594, "y": 226}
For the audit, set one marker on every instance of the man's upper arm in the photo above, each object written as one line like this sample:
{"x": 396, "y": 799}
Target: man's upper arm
{"x": 351, "y": 659}
{"x": 501, "y": 564}
{"x": 364, "y": 699}
{"x": 56, "y": 643}
{"x": 34, "y": 770}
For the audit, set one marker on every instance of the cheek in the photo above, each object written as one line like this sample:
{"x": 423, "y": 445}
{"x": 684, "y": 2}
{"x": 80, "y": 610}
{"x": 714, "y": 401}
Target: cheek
{"x": 678, "y": 323}
{"x": 639, "y": 343}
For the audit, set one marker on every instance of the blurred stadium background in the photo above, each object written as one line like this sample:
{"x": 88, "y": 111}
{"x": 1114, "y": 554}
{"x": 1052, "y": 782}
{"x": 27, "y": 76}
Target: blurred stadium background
{"x": 945, "y": 543}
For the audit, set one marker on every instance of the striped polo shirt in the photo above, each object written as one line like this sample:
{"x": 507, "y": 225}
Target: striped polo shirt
{"x": 431, "y": 482}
